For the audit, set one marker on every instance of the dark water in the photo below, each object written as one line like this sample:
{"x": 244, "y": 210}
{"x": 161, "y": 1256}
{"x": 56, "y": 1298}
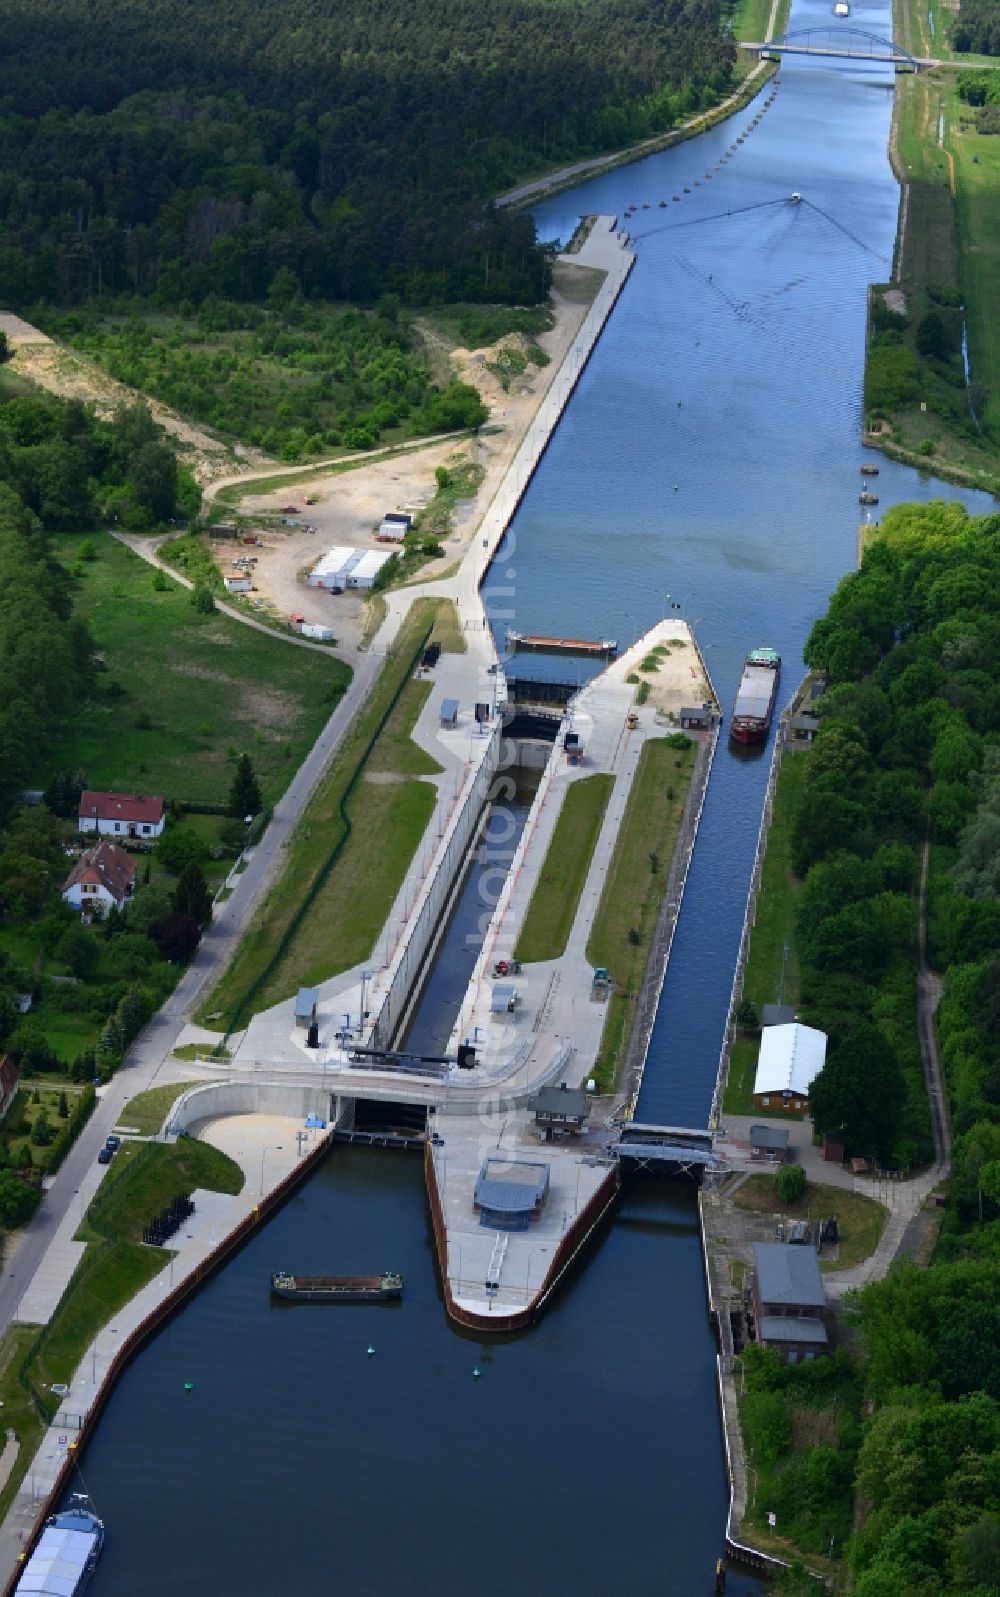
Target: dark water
{"x": 587, "y": 1458}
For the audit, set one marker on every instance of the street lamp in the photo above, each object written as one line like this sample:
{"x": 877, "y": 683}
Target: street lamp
{"x": 276, "y": 1148}
{"x": 366, "y": 976}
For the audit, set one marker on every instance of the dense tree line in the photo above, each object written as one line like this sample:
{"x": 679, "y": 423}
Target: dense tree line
{"x": 910, "y": 737}
{"x": 976, "y": 29}
{"x": 184, "y": 150}
{"x": 58, "y": 467}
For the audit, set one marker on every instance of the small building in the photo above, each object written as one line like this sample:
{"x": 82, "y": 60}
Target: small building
{"x": 788, "y": 1301}
{"x": 394, "y": 526}
{"x": 364, "y": 573}
{"x": 237, "y": 581}
{"x": 306, "y": 1005}
{"x": 695, "y": 720}
{"x": 510, "y": 1193}
{"x": 503, "y": 1000}
{"x": 121, "y": 814}
{"x": 222, "y": 529}
{"x": 332, "y": 570}
{"x": 560, "y": 1110}
{"x": 449, "y": 712}
{"x": 776, "y": 1014}
{"x": 790, "y": 1059}
{"x": 10, "y": 1080}
{"x": 769, "y": 1144}
{"x": 102, "y": 879}
{"x": 803, "y": 728}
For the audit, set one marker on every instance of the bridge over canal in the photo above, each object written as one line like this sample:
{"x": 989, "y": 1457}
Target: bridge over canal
{"x": 838, "y": 43}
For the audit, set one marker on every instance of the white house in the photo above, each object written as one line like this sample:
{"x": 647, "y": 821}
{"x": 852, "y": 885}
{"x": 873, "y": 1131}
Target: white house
{"x": 790, "y": 1059}
{"x": 103, "y": 878}
{"x": 121, "y": 814}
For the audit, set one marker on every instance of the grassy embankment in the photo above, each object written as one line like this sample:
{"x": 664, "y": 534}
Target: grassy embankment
{"x": 748, "y": 19}
{"x": 554, "y": 902}
{"x": 773, "y": 931}
{"x": 948, "y": 269}
{"x": 183, "y": 693}
{"x": 633, "y": 892}
{"x": 144, "y": 1114}
{"x": 860, "y": 1220}
{"x": 351, "y": 849}
{"x": 117, "y": 1264}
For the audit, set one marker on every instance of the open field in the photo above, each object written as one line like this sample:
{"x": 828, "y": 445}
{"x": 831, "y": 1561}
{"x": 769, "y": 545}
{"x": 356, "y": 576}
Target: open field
{"x": 183, "y": 693}
{"x": 330, "y": 903}
{"x": 630, "y": 903}
{"x": 861, "y": 1220}
{"x": 556, "y": 897}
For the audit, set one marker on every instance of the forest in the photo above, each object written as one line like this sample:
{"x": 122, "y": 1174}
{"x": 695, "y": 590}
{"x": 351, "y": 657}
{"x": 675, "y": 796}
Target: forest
{"x": 908, "y": 740}
{"x": 977, "y": 27}
{"x": 181, "y": 150}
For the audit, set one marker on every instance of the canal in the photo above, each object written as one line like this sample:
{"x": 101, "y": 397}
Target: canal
{"x": 710, "y": 460}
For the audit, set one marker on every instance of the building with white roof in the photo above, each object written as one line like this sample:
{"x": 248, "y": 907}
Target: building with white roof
{"x": 790, "y": 1059}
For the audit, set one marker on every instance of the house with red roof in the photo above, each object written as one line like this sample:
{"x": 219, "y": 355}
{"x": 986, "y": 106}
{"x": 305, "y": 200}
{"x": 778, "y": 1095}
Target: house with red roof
{"x": 102, "y": 878}
{"x": 121, "y": 814}
{"x": 10, "y": 1080}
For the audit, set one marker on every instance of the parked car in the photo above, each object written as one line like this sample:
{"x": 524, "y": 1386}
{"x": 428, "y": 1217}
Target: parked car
{"x": 113, "y": 1144}
{"x": 105, "y": 1156}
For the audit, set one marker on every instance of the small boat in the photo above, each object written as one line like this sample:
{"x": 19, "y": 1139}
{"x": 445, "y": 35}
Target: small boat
{"x": 337, "y": 1288}
{"x": 663, "y": 205}
{"x": 795, "y": 199}
{"x": 755, "y": 698}
{"x": 67, "y": 1552}
{"x": 869, "y": 470}
{"x": 867, "y": 499}
{"x": 842, "y": 9}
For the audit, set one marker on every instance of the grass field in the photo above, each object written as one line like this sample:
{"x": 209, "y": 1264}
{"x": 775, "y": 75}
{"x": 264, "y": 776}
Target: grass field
{"x": 116, "y": 1266}
{"x": 773, "y": 931}
{"x": 861, "y": 1220}
{"x": 630, "y": 903}
{"x": 145, "y": 1113}
{"x": 319, "y": 920}
{"x": 183, "y": 692}
{"x": 554, "y": 901}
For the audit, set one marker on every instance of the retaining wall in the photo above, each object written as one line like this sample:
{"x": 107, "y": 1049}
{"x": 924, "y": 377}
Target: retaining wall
{"x": 220, "y": 1098}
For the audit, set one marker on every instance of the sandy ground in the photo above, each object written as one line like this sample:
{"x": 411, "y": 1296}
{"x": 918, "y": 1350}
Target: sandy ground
{"x": 348, "y": 506}
{"x": 62, "y": 371}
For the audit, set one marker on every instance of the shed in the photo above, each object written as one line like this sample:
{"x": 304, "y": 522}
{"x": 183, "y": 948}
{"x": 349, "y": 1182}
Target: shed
{"x": 222, "y": 529}
{"x": 504, "y": 998}
{"x": 510, "y": 1192}
{"x": 236, "y": 581}
{"x": 803, "y": 728}
{"x": 332, "y": 569}
{"x": 394, "y": 526}
{"x": 790, "y": 1059}
{"x": 306, "y": 1004}
{"x": 364, "y": 572}
{"x": 768, "y": 1142}
{"x": 776, "y": 1014}
{"x": 449, "y": 712}
{"x": 696, "y": 719}
{"x": 560, "y": 1109}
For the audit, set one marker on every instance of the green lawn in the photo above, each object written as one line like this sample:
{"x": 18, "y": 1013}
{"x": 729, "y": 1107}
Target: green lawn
{"x": 773, "y": 931}
{"x": 141, "y": 1183}
{"x": 183, "y": 693}
{"x": 860, "y": 1220}
{"x": 395, "y": 750}
{"x": 630, "y": 903}
{"x": 327, "y": 909}
{"x": 24, "y": 1111}
{"x": 554, "y": 901}
{"x": 145, "y": 1113}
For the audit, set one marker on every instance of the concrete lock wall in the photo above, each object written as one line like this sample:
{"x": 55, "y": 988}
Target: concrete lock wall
{"x": 435, "y": 892}
{"x": 246, "y": 1098}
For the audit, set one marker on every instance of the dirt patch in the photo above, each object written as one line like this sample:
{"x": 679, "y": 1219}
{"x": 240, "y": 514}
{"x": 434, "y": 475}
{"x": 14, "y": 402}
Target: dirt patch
{"x": 383, "y": 778}
{"x": 271, "y": 709}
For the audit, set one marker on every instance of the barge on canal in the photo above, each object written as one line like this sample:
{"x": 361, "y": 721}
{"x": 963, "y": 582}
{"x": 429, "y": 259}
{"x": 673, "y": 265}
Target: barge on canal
{"x": 67, "y": 1553}
{"x": 600, "y": 648}
{"x": 387, "y": 1288}
{"x": 758, "y": 690}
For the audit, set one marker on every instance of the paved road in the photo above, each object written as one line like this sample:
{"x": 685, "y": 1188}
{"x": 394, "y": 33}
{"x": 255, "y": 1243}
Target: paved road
{"x": 150, "y": 1054}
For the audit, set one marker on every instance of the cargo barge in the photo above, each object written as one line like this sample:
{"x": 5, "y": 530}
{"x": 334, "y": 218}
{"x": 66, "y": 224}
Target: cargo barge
{"x": 600, "y": 647}
{"x": 387, "y": 1288}
{"x": 66, "y": 1555}
{"x": 758, "y": 690}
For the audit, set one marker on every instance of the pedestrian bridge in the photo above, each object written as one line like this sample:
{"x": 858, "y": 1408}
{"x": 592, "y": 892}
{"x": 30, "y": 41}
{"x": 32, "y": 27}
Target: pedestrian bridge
{"x": 838, "y": 42}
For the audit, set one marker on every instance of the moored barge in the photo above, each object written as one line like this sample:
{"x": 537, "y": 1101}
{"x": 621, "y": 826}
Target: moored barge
{"x": 385, "y": 1288}
{"x": 66, "y": 1554}
{"x": 751, "y": 719}
{"x": 545, "y": 645}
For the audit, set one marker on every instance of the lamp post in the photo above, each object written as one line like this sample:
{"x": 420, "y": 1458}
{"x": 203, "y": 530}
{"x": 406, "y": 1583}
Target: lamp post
{"x": 366, "y": 976}
{"x": 275, "y": 1148}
